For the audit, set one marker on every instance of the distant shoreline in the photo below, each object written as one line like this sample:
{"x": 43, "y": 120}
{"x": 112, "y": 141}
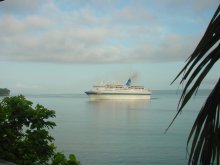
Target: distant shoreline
{"x": 4, "y": 92}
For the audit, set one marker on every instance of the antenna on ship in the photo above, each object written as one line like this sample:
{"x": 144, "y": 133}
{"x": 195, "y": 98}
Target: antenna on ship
{"x": 128, "y": 83}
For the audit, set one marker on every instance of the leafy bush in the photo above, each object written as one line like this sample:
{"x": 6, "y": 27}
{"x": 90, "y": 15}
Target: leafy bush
{"x": 24, "y": 136}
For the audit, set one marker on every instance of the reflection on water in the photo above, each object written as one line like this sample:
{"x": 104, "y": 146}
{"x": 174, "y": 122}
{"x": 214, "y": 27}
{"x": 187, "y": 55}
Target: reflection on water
{"x": 118, "y": 111}
{"x": 119, "y": 104}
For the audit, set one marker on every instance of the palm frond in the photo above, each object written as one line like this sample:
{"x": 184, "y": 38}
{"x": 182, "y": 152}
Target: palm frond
{"x": 207, "y": 43}
{"x": 201, "y": 61}
{"x": 205, "y": 133}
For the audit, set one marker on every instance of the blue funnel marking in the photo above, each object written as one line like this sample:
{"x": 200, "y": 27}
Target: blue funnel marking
{"x": 128, "y": 83}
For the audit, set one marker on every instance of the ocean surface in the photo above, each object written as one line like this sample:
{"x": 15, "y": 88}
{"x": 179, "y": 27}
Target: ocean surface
{"x": 122, "y": 132}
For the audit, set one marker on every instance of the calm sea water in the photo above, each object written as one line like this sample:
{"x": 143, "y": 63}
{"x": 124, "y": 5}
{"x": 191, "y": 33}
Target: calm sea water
{"x": 122, "y": 132}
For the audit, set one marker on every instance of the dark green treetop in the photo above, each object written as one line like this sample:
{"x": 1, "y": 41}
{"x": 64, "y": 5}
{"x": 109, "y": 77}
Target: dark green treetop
{"x": 24, "y": 136}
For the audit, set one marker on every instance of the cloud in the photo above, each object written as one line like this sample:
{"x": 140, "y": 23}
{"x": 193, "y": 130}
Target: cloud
{"x": 11, "y": 26}
{"x": 63, "y": 33}
{"x": 92, "y": 46}
{"x": 20, "y": 6}
{"x": 197, "y": 4}
{"x": 134, "y": 15}
{"x": 203, "y": 5}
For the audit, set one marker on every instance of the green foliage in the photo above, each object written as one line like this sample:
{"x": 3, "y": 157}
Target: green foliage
{"x": 24, "y": 136}
{"x": 60, "y": 159}
{"x": 4, "y": 92}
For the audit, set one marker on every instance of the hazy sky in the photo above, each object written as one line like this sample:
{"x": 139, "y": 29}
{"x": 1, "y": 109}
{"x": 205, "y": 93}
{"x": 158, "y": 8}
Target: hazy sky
{"x": 66, "y": 46}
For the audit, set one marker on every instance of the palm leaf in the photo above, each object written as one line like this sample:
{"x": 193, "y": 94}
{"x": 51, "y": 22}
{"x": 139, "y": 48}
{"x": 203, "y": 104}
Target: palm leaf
{"x": 203, "y": 47}
{"x": 204, "y": 137}
{"x": 206, "y": 128}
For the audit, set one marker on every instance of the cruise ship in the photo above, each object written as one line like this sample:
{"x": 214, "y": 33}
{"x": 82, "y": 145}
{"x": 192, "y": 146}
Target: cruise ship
{"x": 118, "y": 91}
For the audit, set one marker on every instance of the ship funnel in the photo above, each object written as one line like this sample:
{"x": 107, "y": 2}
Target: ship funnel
{"x": 128, "y": 83}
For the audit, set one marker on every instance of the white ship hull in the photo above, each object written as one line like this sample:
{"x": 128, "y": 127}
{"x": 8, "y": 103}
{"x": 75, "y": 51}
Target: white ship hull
{"x": 117, "y": 96}
{"x": 118, "y": 91}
